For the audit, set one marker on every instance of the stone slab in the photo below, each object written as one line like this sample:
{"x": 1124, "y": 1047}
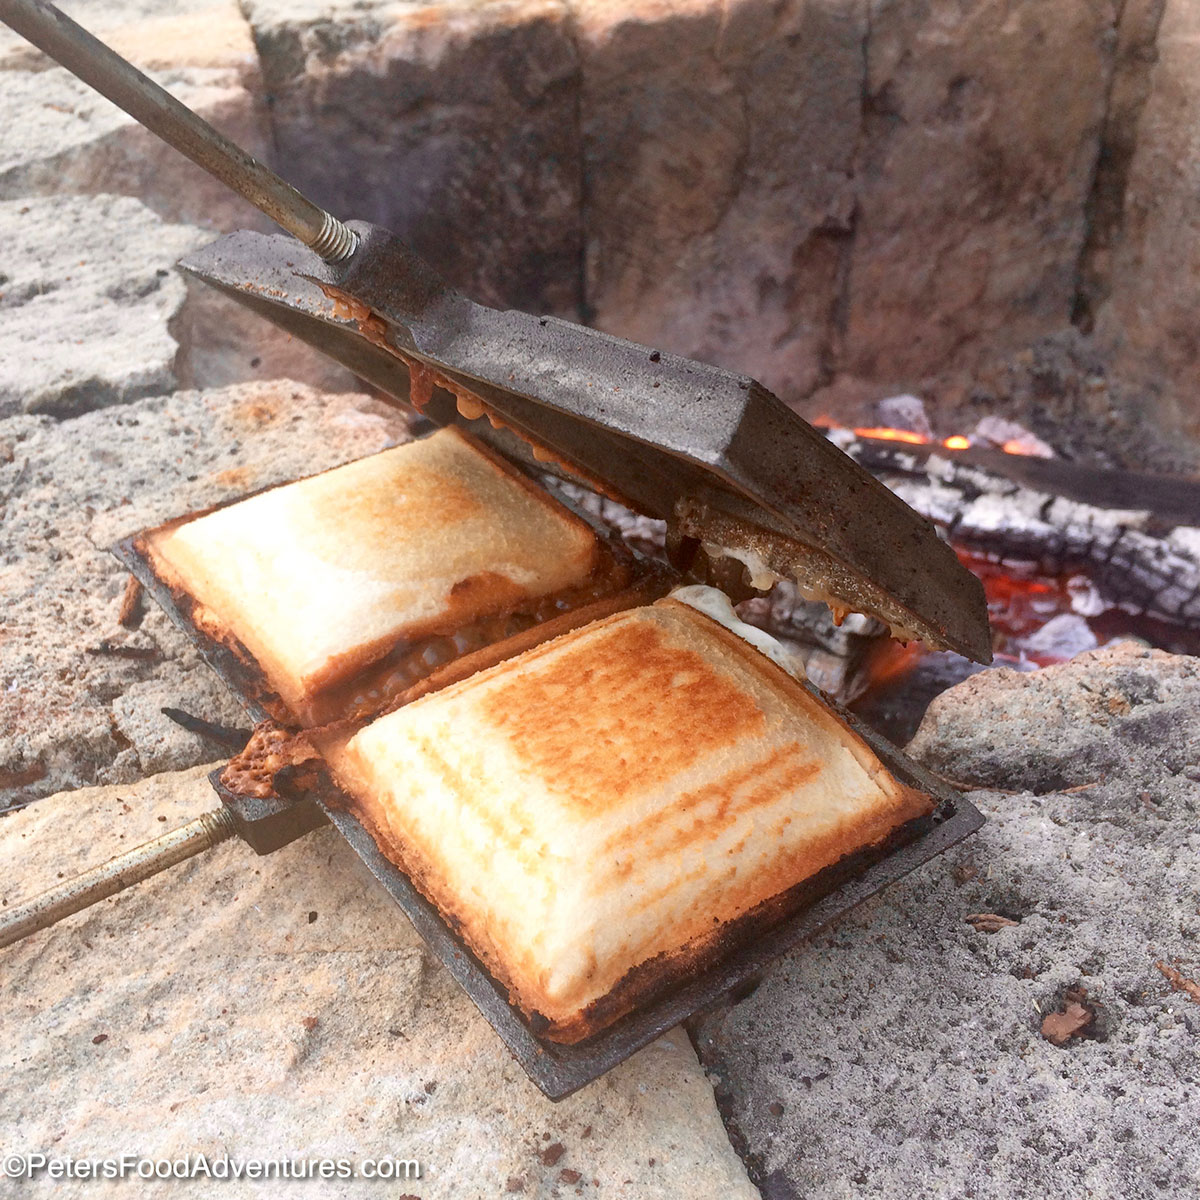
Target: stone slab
{"x": 89, "y": 293}
{"x": 834, "y": 192}
{"x": 63, "y": 137}
{"x": 1148, "y": 320}
{"x": 79, "y": 695}
{"x": 719, "y": 146}
{"x": 153, "y": 34}
{"x": 902, "y": 1054}
{"x": 283, "y": 1007}
{"x": 96, "y": 314}
{"x": 976, "y": 164}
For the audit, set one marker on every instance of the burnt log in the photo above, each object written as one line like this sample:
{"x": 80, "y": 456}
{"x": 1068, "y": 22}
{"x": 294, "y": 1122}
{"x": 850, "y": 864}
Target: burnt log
{"x": 1028, "y": 516}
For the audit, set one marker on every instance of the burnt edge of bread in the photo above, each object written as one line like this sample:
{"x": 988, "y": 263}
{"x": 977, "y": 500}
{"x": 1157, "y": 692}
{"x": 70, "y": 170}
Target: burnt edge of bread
{"x": 658, "y": 976}
{"x": 274, "y": 762}
{"x": 618, "y": 569}
{"x": 650, "y": 980}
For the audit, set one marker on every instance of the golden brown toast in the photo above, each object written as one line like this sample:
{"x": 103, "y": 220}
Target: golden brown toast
{"x": 320, "y": 578}
{"x": 595, "y": 813}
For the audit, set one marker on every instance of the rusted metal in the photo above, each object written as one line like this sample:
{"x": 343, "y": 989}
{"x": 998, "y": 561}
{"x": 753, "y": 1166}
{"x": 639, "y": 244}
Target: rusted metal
{"x": 664, "y": 433}
{"x": 668, "y": 435}
{"x": 673, "y": 438}
{"x": 559, "y": 1070}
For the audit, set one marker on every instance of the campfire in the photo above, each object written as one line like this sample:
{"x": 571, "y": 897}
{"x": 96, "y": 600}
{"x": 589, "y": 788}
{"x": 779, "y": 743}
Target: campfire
{"x": 1070, "y": 558}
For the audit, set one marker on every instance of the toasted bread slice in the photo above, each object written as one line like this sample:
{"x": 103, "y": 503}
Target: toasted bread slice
{"x": 595, "y": 813}
{"x": 319, "y": 578}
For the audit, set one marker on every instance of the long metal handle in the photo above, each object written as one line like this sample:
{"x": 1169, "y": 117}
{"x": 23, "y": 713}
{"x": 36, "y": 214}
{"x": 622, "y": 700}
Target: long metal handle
{"x": 106, "y": 71}
{"x": 207, "y": 830}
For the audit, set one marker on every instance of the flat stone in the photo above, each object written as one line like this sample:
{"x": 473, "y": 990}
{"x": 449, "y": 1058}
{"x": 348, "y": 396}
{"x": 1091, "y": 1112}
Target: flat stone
{"x": 96, "y": 314}
{"x": 89, "y": 294}
{"x": 222, "y": 343}
{"x": 283, "y": 1006}
{"x": 901, "y": 1054}
{"x": 63, "y": 137}
{"x": 79, "y": 695}
{"x": 153, "y": 34}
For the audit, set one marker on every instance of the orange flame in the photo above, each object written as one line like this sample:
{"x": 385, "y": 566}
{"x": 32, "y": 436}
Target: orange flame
{"x": 957, "y": 442}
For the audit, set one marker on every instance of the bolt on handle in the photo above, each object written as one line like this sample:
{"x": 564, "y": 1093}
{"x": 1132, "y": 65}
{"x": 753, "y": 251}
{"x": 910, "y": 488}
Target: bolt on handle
{"x": 207, "y": 830}
{"x": 112, "y": 76}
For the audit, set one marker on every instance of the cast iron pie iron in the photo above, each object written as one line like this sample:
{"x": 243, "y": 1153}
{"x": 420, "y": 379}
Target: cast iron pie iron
{"x": 733, "y": 471}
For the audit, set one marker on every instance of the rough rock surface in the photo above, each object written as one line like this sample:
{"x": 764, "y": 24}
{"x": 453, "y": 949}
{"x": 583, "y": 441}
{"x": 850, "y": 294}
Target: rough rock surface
{"x": 152, "y": 33}
{"x": 95, "y": 313}
{"x": 1154, "y": 288}
{"x": 879, "y": 194}
{"x": 1122, "y": 712}
{"x": 902, "y": 1054}
{"x": 705, "y": 234}
{"x": 89, "y": 292}
{"x": 455, "y": 125}
{"x": 972, "y": 98}
{"x": 283, "y": 1006}
{"x": 794, "y": 190}
{"x": 79, "y": 695}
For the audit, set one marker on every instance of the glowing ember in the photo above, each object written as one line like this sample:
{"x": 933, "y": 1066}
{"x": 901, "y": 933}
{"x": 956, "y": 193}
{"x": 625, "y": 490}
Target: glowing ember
{"x": 891, "y": 661}
{"x": 956, "y": 441}
{"x": 883, "y": 433}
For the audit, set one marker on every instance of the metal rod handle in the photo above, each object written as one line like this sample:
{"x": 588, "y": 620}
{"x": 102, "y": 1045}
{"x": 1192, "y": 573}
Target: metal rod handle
{"x": 106, "y": 71}
{"x": 207, "y": 830}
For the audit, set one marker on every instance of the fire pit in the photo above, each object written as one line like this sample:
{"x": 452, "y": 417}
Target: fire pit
{"x": 1056, "y": 953}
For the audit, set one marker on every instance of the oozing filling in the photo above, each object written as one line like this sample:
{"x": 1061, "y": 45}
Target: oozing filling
{"x": 372, "y": 690}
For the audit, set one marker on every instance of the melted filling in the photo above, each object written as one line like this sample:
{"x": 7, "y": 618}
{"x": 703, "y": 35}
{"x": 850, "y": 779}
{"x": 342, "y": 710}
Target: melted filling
{"x": 374, "y": 689}
{"x": 423, "y": 379}
{"x": 270, "y": 749}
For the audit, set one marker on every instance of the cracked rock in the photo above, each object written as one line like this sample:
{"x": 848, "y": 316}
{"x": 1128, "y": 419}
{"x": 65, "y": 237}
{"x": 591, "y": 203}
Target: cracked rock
{"x": 63, "y": 137}
{"x": 457, "y": 127}
{"x": 902, "y": 1053}
{"x": 88, "y": 293}
{"x": 95, "y": 312}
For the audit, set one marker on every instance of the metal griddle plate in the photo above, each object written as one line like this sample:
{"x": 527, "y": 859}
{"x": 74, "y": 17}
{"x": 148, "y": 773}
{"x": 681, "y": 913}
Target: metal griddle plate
{"x": 658, "y": 429}
{"x": 560, "y": 1070}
